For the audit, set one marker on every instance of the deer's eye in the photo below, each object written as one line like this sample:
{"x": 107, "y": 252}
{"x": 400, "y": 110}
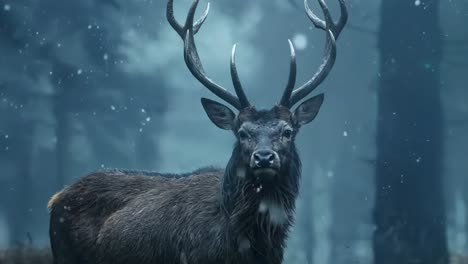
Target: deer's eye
{"x": 287, "y": 133}
{"x": 243, "y": 135}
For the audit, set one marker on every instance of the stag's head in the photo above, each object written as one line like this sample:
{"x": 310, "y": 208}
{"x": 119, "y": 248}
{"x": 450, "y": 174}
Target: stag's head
{"x": 265, "y": 138}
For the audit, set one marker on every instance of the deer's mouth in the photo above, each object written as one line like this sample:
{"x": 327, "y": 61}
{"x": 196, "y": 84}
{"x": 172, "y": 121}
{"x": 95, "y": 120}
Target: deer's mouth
{"x": 265, "y": 174}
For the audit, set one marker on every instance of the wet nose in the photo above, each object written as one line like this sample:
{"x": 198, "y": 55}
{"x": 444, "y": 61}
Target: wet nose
{"x": 264, "y": 158}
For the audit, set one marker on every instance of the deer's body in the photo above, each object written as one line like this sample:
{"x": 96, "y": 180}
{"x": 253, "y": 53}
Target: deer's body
{"x": 239, "y": 215}
{"x": 138, "y": 217}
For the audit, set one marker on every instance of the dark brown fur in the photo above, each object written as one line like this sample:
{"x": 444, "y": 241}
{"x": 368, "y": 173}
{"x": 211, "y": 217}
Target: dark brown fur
{"x": 208, "y": 216}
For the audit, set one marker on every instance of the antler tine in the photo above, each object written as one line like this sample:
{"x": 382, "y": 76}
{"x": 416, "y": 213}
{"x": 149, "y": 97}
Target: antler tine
{"x": 194, "y": 65}
{"x": 292, "y": 76}
{"x": 178, "y": 27}
{"x": 328, "y": 17}
{"x": 336, "y": 27}
{"x": 318, "y": 23}
{"x": 343, "y": 18}
{"x": 332, "y": 31}
{"x": 192, "y": 59}
{"x": 236, "y": 81}
{"x": 321, "y": 73}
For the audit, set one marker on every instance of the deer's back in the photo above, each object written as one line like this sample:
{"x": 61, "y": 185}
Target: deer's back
{"x": 120, "y": 216}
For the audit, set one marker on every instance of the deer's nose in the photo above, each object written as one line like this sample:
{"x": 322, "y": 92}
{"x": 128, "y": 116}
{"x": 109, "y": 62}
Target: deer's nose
{"x": 264, "y": 158}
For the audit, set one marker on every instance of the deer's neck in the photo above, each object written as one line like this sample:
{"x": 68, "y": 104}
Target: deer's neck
{"x": 260, "y": 211}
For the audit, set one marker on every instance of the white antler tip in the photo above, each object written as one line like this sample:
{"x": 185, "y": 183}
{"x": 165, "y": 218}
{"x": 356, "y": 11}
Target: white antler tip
{"x": 233, "y": 53}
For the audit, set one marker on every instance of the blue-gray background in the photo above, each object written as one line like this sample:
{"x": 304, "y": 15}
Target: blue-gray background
{"x": 94, "y": 84}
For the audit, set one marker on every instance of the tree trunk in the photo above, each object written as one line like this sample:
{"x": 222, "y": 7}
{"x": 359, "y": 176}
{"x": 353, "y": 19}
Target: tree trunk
{"x": 20, "y": 203}
{"x": 409, "y": 211}
{"x": 61, "y": 106}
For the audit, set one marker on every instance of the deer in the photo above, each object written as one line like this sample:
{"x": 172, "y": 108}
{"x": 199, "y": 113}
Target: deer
{"x": 240, "y": 214}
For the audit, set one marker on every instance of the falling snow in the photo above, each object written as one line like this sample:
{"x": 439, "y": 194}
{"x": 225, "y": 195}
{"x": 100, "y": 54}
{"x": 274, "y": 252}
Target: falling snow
{"x": 300, "y": 41}
{"x": 108, "y": 105}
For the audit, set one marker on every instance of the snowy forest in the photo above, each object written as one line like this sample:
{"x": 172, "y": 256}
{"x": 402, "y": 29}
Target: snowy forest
{"x": 88, "y": 85}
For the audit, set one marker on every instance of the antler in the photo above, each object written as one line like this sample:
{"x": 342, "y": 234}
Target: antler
{"x": 333, "y": 30}
{"x": 192, "y": 58}
{"x": 336, "y": 27}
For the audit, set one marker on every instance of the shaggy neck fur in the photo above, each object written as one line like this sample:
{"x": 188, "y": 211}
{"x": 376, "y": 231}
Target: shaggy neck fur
{"x": 259, "y": 214}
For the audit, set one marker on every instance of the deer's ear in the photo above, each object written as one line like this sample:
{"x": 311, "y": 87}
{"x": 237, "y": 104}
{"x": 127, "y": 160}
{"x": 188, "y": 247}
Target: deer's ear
{"x": 219, "y": 114}
{"x": 308, "y": 110}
